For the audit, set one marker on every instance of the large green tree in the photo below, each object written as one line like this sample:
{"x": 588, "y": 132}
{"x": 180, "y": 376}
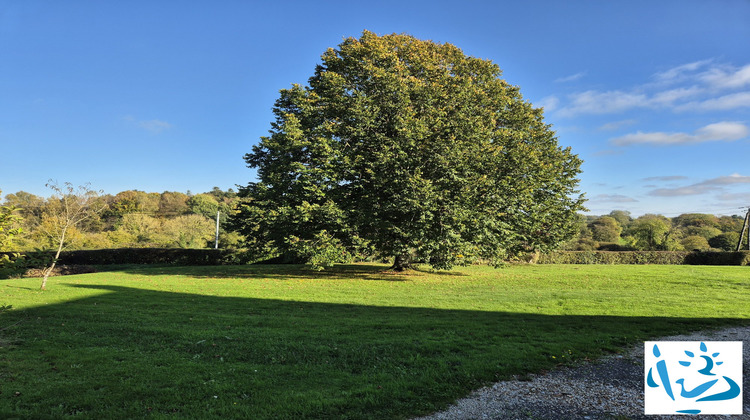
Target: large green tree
{"x": 415, "y": 150}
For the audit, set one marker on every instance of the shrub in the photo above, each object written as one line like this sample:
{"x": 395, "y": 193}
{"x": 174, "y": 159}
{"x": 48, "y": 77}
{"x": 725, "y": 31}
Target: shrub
{"x": 646, "y": 257}
{"x": 142, "y": 256}
{"x": 14, "y": 264}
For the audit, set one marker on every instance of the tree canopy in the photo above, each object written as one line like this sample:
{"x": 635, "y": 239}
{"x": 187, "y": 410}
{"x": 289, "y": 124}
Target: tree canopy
{"x": 414, "y": 150}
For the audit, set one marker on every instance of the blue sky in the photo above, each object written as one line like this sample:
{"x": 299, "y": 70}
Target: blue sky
{"x": 162, "y": 95}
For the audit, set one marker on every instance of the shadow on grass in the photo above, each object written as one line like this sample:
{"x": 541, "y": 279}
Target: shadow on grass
{"x": 132, "y": 353}
{"x": 289, "y": 271}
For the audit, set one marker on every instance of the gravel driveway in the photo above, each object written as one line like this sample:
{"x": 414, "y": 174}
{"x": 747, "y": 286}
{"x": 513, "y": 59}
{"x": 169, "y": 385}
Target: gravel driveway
{"x": 610, "y": 388}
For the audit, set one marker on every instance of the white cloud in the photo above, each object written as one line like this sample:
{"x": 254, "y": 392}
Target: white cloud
{"x": 571, "y": 78}
{"x": 728, "y": 180}
{"x": 549, "y": 103}
{"x": 722, "y": 103}
{"x": 678, "y": 73}
{"x": 704, "y": 187}
{"x": 680, "y": 191}
{"x": 616, "y": 125}
{"x": 613, "y": 198}
{"x": 595, "y": 102}
{"x": 700, "y": 86}
{"x": 721, "y": 131}
{"x": 671, "y": 96}
{"x": 728, "y": 77}
{"x": 665, "y": 178}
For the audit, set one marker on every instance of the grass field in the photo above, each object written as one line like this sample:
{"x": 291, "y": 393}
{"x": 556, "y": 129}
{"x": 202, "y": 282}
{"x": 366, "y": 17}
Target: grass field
{"x": 353, "y": 342}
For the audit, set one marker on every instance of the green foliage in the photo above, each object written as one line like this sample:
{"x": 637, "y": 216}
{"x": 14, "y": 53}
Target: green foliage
{"x": 653, "y": 233}
{"x": 9, "y": 265}
{"x": 125, "y": 256}
{"x": 707, "y": 232}
{"x": 726, "y": 241}
{"x": 14, "y": 264}
{"x": 203, "y": 204}
{"x": 623, "y": 217}
{"x": 696, "y": 220}
{"x": 416, "y": 148}
{"x": 134, "y": 201}
{"x": 189, "y": 231}
{"x": 320, "y": 252}
{"x": 8, "y": 230}
{"x": 605, "y": 229}
{"x": 141, "y": 228}
{"x": 614, "y": 257}
{"x": 695, "y": 242}
{"x": 173, "y": 203}
{"x": 646, "y": 257}
{"x": 718, "y": 258}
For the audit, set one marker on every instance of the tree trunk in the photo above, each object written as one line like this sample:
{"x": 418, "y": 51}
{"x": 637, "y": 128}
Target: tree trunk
{"x": 401, "y": 263}
{"x": 48, "y": 271}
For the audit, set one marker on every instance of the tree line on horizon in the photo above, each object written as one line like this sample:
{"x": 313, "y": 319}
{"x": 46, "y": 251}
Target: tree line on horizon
{"x": 138, "y": 219}
{"x": 128, "y": 219}
{"x": 618, "y": 231}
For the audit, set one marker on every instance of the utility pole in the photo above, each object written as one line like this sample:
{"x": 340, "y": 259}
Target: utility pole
{"x": 742, "y": 233}
{"x": 216, "y": 246}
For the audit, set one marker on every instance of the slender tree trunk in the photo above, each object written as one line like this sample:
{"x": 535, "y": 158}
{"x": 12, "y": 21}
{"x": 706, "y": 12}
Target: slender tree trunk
{"x": 48, "y": 271}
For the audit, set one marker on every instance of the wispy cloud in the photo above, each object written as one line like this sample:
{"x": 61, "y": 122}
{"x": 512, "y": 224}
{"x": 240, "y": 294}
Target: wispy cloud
{"x": 665, "y": 178}
{"x": 721, "y": 131}
{"x": 680, "y": 191}
{"x": 734, "y": 197}
{"x": 153, "y": 126}
{"x": 697, "y": 86}
{"x": 669, "y": 97}
{"x": 571, "y": 78}
{"x": 728, "y": 180}
{"x": 722, "y": 103}
{"x": 613, "y": 198}
{"x": 727, "y": 77}
{"x": 616, "y": 125}
{"x": 708, "y": 186}
{"x": 610, "y": 102}
{"x": 680, "y": 73}
{"x": 549, "y": 103}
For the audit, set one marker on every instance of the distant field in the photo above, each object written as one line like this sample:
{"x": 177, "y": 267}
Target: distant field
{"x": 353, "y": 342}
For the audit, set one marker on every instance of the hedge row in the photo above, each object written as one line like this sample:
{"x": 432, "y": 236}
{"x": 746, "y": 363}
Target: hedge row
{"x": 232, "y": 256}
{"x": 148, "y": 256}
{"x": 646, "y": 257}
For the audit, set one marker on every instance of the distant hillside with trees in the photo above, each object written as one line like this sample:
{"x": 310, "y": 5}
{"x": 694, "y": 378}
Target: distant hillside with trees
{"x": 131, "y": 219}
{"x": 138, "y": 219}
{"x": 651, "y": 232}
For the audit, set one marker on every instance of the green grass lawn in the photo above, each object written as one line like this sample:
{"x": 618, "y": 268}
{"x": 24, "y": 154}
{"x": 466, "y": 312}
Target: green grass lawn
{"x": 353, "y": 342}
